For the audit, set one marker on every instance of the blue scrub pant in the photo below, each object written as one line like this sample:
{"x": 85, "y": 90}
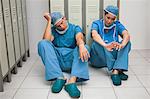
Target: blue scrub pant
{"x": 101, "y": 57}
{"x": 58, "y": 60}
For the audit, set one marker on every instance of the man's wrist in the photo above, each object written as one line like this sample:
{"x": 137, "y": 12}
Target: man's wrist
{"x": 123, "y": 45}
{"x": 81, "y": 44}
{"x": 104, "y": 44}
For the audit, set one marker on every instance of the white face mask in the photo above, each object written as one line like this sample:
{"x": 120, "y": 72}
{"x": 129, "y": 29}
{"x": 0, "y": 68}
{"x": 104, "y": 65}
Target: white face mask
{"x": 109, "y": 27}
{"x": 64, "y": 31}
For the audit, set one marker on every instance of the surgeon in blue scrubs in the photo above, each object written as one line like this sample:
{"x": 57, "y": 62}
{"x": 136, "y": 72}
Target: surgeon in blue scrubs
{"x": 63, "y": 50}
{"x": 107, "y": 50}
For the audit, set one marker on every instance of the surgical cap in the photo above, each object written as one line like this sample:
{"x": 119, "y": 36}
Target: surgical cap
{"x": 56, "y": 17}
{"x": 112, "y": 10}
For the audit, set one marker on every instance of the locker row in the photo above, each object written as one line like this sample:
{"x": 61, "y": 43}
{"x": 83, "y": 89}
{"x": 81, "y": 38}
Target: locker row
{"x": 14, "y": 42}
{"x": 81, "y": 12}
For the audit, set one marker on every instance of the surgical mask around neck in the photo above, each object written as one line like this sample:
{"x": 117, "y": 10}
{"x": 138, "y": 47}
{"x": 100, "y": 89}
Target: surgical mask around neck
{"x": 63, "y": 31}
{"x": 109, "y": 27}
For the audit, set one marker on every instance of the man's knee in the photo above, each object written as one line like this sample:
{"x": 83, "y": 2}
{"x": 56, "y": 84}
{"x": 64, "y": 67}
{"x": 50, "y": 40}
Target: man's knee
{"x": 43, "y": 43}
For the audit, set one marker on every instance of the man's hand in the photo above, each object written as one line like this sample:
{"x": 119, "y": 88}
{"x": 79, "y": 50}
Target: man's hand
{"x": 119, "y": 46}
{"x": 47, "y": 16}
{"x": 84, "y": 54}
{"x": 110, "y": 46}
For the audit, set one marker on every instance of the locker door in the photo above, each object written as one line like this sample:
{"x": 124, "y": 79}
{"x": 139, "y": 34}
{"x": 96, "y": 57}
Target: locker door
{"x": 3, "y": 50}
{"x": 92, "y": 12}
{"x": 110, "y": 2}
{"x": 15, "y": 28}
{"x": 20, "y": 25}
{"x": 57, "y": 6}
{"x": 75, "y": 12}
{"x": 8, "y": 29}
{"x": 23, "y": 3}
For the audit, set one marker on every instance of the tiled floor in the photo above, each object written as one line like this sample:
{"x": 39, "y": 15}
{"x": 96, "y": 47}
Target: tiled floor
{"x": 30, "y": 83}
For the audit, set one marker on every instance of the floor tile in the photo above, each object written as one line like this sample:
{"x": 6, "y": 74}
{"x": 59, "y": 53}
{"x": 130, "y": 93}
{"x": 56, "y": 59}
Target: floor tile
{"x": 144, "y": 53}
{"x": 145, "y": 80}
{"x": 148, "y": 89}
{"x": 35, "y": 82}
{"x": 98, "y": 93}
{"x": 131, "y": 93}
{"x": 8, "y": 93}
{"x": 38, "y": 69}
{"x": 31, "y": 94}
{"x": 132, "y": 82}
{"x": 15, "y": 83}
{"x": 30, "y": 82}
{"x": 141, "y": 70}
{"x": 138, "y": 61}
{"x": 98, "y": 81}
{"x": 134, "y": 54}
{"x": 97, "y": 71}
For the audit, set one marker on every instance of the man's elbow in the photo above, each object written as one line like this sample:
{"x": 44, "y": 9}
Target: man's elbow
{"x": 93, "y": 35}
{"x": 46, "y": 38}
{"x": 128, "y": 37}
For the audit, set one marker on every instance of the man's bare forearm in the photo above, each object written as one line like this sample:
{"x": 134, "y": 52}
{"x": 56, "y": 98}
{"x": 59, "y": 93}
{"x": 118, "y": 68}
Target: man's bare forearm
{"x": 126, "y": 38}
{"x": 80, "y": 39}
{"x": 47, "y": 34}
{"x": 96, "y": 37}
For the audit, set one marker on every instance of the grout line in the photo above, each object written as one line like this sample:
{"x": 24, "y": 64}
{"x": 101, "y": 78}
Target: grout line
{"x": 24, "y": 78}
{"x": 143, "y": 56}
{"x": 112, "y": 85}
{"x": 142, "y": 84}
{"x": 82, "y": 90}
{"x": 49, "y": 90}
{"x": 136, "y": 74}
{"x": 48, "y": 93}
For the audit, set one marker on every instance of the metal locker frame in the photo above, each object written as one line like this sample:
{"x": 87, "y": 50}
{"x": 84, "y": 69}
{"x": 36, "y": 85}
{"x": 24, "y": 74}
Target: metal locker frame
{"x": 86, "y": 26}
{"x": 20, "y": 27}
{"x": 75, "y": 8}
{"x": 110, "y": 2}
{"x": 3, "y": 50}
{"x": 1, "y": 79}
{"x": 9, "y": 35}
{"x": 15, "y": 31}
{"x": 57, "y": 6}
{"x": 25, "y": 27}
{"x": 5, "y": 73}
{"x": 4, "y": 68}
{"x": 90, "y": 9}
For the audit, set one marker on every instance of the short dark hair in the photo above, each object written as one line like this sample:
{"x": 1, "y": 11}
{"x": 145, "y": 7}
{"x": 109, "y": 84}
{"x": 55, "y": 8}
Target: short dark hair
{"x": 105, "y": 12}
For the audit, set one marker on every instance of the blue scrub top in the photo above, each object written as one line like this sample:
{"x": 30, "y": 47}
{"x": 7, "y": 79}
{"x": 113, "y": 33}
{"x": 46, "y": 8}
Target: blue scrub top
{"x": 98, "y": 25}
{"x": 67, "y": 39}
